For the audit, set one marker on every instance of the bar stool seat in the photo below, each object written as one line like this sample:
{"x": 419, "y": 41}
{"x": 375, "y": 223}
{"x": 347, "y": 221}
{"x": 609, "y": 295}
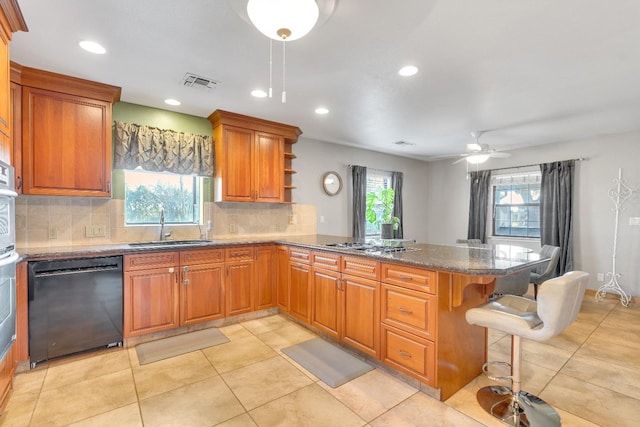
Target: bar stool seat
{"x": 557, "y": 306}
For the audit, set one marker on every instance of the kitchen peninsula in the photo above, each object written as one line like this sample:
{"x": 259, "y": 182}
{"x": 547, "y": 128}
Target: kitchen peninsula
{"x": 400, "y": 309}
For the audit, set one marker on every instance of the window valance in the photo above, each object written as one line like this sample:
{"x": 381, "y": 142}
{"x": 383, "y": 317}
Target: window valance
{"x": 162, "y": 150}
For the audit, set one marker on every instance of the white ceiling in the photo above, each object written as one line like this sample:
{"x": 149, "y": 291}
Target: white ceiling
{"x": 527, "y": 72}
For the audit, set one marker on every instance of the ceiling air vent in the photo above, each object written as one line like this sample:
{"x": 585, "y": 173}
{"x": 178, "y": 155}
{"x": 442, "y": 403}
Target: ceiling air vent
{"x": 199, "y": 82}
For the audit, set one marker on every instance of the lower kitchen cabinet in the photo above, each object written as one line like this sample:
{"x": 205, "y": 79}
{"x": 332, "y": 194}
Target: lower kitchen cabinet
{"x": 361, "y": 318}
{"x": 239, "y": 280}
{"x": 300, "y": 284}
{"x": 202, "y": 289}
{"x": 410, "y": 354}
{"x": 264, "y": 289}
{"x": 7, "y": 368}
{"x": 282, "y": 278}
{"x": 328, "y": 301}
{"x": 151, "y": 299}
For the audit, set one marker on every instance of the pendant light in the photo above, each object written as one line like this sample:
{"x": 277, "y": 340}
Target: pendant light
{"x": 283, "y": 20}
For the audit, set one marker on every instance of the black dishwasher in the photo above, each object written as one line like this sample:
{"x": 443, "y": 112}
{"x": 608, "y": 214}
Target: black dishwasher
{"x": 74, "y": 305}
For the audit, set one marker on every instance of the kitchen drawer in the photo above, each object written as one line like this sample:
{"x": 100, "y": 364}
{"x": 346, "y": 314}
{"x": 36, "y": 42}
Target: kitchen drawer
{"x": 408, "y": 277}
{"x": 300, "y": 255}
{"x": 325, "y": 260}
{"x": 244, "y": 253}
{"x": 415, "y": 312}
{"x": 201, "y": 256}
{"x": 361, "y": 267}
{"x": 409, "y": 354}
{"x": 151, "y": 260}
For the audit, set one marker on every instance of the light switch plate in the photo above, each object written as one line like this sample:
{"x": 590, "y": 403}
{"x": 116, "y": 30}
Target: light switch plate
{"x": 634, "y": 220}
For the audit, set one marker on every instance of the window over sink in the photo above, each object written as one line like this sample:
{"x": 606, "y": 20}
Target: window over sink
{"x": 146, "y": 193}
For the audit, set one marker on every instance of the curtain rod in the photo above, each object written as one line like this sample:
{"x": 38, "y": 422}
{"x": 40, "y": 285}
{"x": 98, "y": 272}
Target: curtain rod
{"x": 579, "y": 159}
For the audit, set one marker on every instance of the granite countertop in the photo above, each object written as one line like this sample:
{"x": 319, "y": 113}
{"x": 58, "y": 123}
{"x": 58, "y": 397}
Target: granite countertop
{"x": 469, "y": 259}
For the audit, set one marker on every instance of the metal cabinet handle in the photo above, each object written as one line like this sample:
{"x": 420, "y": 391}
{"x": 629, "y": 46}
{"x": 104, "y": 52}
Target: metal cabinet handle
{"x": 405, "y": 310}
{"x": 405, "y": 354}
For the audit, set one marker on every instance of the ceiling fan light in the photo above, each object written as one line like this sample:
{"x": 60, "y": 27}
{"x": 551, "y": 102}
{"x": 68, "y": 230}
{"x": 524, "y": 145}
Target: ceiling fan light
{"x": 474, "y": 146}
{"x": 477, "y": 158}
{"x": 293, "y": 18}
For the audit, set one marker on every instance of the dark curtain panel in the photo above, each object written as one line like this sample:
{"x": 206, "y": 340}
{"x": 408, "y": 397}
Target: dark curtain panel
{"x": 396, "y": 184}
{"x": 359, "y": 180}
{"x": 478, "y": 204}
{"x": 162, "y": 150}
{"x": 556, "y": 211}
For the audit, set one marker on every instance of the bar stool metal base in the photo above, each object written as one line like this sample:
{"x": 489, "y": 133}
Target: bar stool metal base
{"x": 532, "y": 411}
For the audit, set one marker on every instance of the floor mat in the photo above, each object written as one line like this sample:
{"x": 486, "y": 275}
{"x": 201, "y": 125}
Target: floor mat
{"x": 180, "y": 344}
{"x": 329, "y": 363}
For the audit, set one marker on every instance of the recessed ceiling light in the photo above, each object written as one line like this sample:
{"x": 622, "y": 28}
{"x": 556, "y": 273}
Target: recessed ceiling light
{"x": 407, "y": 71}
{"x": 322, "y": 110}
{"x": 171, "y": 101}
{"x": 259, "y": 93}
{"x": 92, "y": 47}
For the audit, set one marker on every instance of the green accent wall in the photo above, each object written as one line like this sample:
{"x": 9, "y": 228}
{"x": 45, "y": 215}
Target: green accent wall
{"x": 162, "y": 119}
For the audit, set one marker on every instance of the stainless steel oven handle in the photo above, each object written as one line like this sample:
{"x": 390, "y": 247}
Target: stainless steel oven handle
{"x": 8, "y": 193}
{"x": 11, "y": 259}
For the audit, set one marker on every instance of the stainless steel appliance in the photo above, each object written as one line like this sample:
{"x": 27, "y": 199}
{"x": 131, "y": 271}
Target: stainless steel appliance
{"x": 8, "y": 259}
{"x": 74, "y": 305}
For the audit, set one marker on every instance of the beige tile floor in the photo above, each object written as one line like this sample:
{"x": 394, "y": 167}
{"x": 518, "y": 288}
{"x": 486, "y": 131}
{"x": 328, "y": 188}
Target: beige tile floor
{"x": 590, "y": 374}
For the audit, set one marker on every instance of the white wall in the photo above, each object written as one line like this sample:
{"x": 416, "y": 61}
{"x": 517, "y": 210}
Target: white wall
{"x": 448, "y": 206}
{"x": 314, "y": 158}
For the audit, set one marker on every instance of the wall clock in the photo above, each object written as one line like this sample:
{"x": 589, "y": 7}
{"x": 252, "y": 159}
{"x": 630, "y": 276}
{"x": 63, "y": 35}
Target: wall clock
{"x": 331, "y": 183}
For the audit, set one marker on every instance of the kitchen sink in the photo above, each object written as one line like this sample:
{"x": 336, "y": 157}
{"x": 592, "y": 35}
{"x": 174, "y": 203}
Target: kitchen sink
{"x": 171, "y": 242}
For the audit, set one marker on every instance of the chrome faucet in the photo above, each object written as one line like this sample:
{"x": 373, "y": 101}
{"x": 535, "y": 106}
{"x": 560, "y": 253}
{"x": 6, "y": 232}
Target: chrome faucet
{"x": 163, "y": 235}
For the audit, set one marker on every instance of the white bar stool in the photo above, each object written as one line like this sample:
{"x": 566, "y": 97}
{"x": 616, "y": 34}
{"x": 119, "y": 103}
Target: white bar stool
{"x": 558, "y": 304}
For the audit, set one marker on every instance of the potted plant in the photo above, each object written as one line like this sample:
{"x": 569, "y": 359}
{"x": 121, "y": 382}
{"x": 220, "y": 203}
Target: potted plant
{"x": 380, "y": 211}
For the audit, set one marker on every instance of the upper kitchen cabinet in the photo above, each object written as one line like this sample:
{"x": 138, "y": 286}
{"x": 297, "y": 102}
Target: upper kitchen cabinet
{"x": 253, "y": 158}
{"x": 66, "y": 134}
{"x": 11, "y": 20}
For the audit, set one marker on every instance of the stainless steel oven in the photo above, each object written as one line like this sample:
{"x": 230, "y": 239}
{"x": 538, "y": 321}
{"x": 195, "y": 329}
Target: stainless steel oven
{"x": 8, "y": 259}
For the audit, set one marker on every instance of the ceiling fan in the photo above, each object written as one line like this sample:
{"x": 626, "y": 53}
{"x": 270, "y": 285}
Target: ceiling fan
{"x": 480, "y": 153}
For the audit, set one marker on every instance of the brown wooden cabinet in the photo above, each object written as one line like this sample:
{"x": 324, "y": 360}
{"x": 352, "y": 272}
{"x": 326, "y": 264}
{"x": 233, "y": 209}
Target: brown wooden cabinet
{"x": 361, "y": 318}
{"x": 409, "y": 320}
{"x": 250, "y": 156}
{"x": 151, "y": 293}
{"x": 282, "y": 278}
{"x": 239, "y": 280}
{"x": 300, "y": 284}
{"x": 264, "y": 288}
{"x": 328, "y": 301}
{"x": 66, "y": 133}
{"x": 201, "y": 286}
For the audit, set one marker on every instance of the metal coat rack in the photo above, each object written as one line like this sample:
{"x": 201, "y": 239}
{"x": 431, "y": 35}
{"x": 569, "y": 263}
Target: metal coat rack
{"x": 619, "y": 194}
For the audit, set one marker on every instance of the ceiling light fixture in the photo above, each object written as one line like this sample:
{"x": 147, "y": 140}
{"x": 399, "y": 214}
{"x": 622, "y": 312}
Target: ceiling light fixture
{"x": 408, "y": 71}
{"x": 322, "y": 110}
{"x": 259, "y": 93}
{"x": 476, "y": 159}
{"x": 92, "y": 47}
{"x": 171, "y": 101}
{"x": 284, "y": 20}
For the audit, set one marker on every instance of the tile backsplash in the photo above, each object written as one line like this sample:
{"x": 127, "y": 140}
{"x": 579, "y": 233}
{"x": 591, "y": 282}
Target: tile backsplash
{"x": 46, "y": 221}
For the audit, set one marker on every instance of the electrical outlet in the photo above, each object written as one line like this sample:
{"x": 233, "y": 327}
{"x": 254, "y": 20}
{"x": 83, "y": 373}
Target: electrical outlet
{"x": 99, "y": 231}
{"x": 293, "y": 219}
{"x": 278, "y": 227}
{"x": 600, "y": 277}
{"x": 233, "y": 228}
{"x": 53, "y": 232}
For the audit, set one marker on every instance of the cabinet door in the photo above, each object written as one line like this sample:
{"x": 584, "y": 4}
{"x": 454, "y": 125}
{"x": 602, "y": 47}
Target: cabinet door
{"x": 66, "y": 144}
{"x": 202, "y": 293}
{"x": 327, "y": 301}
{"x": 150, "y": 301}
{"x": 361, "y": 314}
{"x": 282, "y": 278}
{"x": 238, "y": 287}
{"x": 234, "y": 179}
{"x": 300, "y": 291}
{"x": 264, "y": 284}
{"x": 269, "y": 167}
